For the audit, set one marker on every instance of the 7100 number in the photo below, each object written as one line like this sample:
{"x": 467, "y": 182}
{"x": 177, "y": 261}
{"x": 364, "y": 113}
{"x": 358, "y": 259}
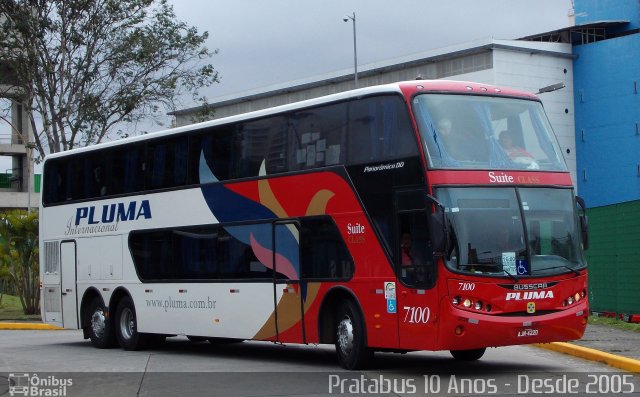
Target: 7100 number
{"x": 416, "y": 314}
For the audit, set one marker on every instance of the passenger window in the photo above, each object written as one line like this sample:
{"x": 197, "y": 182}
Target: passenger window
{"x": 317, "y": 137}
{"x": 380, "y": 129}
{"x": 324, "y": 253}
{"x": 167, "y": 163}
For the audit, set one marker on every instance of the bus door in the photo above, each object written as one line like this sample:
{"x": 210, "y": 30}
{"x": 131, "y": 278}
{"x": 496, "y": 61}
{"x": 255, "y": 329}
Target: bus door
{"x": 68, "y": 287}
{"x": 416, "y": 269}
{"x": 287, "y": 285}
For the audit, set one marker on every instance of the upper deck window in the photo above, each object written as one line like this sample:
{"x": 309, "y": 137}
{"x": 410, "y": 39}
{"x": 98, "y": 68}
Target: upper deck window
{"x": 482, "y": 132}
{"x": 359, "y": 131}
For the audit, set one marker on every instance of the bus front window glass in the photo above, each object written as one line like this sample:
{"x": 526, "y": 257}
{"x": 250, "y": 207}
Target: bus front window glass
{"x": 552, "y": 230}
{"x": 481, "y": 132}
{"x": 489, "y": 235}
{"x": 487, "y": 229}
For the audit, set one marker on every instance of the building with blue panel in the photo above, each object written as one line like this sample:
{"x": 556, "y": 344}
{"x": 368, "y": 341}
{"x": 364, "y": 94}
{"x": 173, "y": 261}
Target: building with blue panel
{"x": 607, "y": 119}
{"x": 607, "y": 95}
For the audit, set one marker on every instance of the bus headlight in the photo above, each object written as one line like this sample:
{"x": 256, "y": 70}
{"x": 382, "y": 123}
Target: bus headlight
{"x": 478, "y": 305}
{"x": 466, "y": 303}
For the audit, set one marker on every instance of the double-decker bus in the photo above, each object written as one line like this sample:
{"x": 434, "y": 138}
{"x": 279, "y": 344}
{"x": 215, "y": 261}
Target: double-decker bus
{"x": 423, "y": 215}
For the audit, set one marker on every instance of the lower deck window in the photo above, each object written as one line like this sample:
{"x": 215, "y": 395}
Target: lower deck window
{"x": 311, "y": 248}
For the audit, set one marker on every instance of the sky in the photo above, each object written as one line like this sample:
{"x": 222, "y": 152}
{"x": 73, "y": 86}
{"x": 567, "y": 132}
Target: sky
{"x": 262, "y": 43}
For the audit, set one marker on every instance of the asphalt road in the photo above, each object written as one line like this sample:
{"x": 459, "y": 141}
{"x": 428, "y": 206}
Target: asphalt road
{"x": 62, "y": 362}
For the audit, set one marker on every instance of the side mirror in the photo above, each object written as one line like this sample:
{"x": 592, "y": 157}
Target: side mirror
{"x": 438, "y": 231}
{"x": 584, "y": 222}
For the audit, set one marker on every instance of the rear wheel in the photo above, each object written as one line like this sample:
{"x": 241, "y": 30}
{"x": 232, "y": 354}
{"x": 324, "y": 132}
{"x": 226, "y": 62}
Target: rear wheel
{"x": 468, "y": 355}
{"x": 351, "y": 346}
{"x": 126, "y": 326}
{"x": 100, "y": 327}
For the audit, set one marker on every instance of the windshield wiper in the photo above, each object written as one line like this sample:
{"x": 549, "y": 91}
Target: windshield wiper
{"x": 513, "y": 276}
{"x": 576, "y": 271}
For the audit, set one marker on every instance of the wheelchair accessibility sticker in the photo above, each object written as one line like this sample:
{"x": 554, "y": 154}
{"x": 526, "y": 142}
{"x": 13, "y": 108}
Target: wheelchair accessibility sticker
{"x": 391, "y": 306}
{"x": 390, "y": 296}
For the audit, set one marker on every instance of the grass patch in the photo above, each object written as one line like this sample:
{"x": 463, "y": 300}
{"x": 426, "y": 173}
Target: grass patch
{"x": 614, "y": 323}
{"x": 11, "y": 309}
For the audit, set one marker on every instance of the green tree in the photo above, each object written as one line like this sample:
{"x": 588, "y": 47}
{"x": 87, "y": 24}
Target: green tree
{"x": 19, "y": 256}
{"x": 85, "y": 68}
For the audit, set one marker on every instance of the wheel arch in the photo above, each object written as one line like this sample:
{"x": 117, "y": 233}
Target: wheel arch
{"x": 89, "y": 295}
{"x": 116, "y": 297}
{"x": 326, "y": 316}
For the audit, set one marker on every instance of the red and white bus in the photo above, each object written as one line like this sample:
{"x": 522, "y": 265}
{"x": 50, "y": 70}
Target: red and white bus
{"x": 423, "y": 215}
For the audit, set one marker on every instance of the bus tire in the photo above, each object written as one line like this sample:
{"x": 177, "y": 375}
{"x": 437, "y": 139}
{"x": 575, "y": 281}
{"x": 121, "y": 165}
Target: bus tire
{"x": 468, "y": 355}
{"x": 100, "y": 328}
{"x": 126, "y": 325}
{"x": 351, "y": 346}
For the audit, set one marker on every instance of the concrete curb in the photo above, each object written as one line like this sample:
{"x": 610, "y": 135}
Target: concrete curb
{"x": 628, "y": 364}
{"x": 28, "y": 326}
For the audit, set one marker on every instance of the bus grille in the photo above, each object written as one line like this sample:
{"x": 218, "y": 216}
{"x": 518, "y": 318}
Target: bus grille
{"x": 51, "y": 257}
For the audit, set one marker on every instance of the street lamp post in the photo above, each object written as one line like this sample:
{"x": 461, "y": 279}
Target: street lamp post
{"x": 355, "y": 51}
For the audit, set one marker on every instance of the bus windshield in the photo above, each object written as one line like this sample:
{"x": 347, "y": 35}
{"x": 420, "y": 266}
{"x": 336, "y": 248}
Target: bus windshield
{"x": 512, "y": 231}
{"x": 481, "y": 132}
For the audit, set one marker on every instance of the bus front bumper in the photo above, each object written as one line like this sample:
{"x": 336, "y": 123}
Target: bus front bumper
{"x": 462, "y": 330}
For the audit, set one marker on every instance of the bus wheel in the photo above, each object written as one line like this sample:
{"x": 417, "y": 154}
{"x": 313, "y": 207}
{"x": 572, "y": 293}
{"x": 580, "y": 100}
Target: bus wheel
{"x": 350, "y": 342}
{"x": 468, "y": 355}
{"x": 126, "y": 326}
{"x": 100, "y": 328}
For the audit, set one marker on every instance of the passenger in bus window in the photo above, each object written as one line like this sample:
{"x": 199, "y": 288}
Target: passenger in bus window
{"x": 405, "y": 249}
{"x": 516, "y": 153}
{"x": 409, "y": 260}
{"x": 459, "y": 145}
{"x": 99, "y": 181}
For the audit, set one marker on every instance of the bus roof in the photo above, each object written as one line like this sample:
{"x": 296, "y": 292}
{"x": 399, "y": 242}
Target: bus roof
{"x": 407, "y": 88}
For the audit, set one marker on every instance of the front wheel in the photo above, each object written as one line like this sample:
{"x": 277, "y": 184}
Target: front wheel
{"x": 468, "y": 355}
{"x": 100, "y": 327}
{"x": 351, "y": 346}
{"x": 126, "y": 326}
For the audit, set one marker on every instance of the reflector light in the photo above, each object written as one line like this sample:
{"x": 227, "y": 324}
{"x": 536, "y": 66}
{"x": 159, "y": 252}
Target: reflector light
{"x": 459, "y": 330}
